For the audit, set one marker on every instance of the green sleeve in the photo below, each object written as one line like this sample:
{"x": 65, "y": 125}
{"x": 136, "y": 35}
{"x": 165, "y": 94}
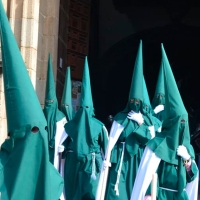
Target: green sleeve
{"x": 103, "y": 139}
{"x": 142, "y": 133}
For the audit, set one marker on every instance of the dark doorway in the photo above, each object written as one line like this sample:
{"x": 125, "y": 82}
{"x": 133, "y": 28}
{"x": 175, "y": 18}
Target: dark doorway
{"x": 112, "y": 75}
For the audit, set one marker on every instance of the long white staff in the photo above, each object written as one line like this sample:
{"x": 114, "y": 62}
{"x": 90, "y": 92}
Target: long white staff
{"x": 114, "y": 135}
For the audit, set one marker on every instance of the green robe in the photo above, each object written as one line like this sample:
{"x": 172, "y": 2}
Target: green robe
{"x": 27, "y": 172}
{"x": 135, "y": 138}
{"x": 168, "y": 178}
{"x": 175, "y": 132}
{"x": 78, "y": 167}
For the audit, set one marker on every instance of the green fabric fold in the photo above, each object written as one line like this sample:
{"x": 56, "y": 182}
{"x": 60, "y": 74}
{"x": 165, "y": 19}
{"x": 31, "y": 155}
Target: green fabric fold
{"x": 66, "y": 101}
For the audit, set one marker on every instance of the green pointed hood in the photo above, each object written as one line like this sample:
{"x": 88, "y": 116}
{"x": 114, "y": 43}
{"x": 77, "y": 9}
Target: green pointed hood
{"x": 26, "y": 150}
{"x": 137, "y": 79}
{"x": 160, "y": 88}
{"x": 146, "y": 99}
{"x": 175, "y": 128}
{"x": 20, "y": 96}
{"x": 174, "y": 103}
{"x": 83, "y": 128}
{"x": 51, "y": 103}
{"x": 147, "y": 109}
{"x": 135, "y": 103}
{"x": 51, "y": 111}
{"x": 50, "y": 95}
{"x": 66, "y": 102}
{"x": 146, "y": 105}
{"x": 136, "y": 90}
{"x": 159, "y": 97}
{"x": 86, "y": 94}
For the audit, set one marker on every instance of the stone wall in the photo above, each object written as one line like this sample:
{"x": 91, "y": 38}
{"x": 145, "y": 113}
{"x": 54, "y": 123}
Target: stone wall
{"x": 47, "y": 43}
{"x": 3, "y": 124}
{"x": 35, "y": 25}
{"x": 62, "y": 46}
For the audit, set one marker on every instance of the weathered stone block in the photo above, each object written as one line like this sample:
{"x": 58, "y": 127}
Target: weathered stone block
{"x": 29, "y": 33}
{"x": 40, "y": 89}
{"x": 16, "y": 9}
{"x": 3, "y": 106}
{"x": 40, "y": 47}
{"x": 43, "y": 7}
{"x": 49, "y": 26}
{"x": 31, "y": 9}
{"x": 3, "y": 130}
{"x": 41, "y": 70}
{"x": 16, "y": 25}
{"x": 48, "y": 46}
{"x": 30, "y": 57}
{"x": 41, "y": 23}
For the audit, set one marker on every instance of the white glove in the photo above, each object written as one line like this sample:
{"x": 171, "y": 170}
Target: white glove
{"x": 61, "y": 148}
{"x": 182, "y": 151}
{"x": 152, "y": 131}
{"x": 136, "y": 117}
{"x": 158, "y": 108}
{"x": 159, "y": 129}
{"x": 106, "y": 164}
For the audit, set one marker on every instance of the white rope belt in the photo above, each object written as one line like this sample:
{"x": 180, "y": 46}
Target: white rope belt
{"x": 168, "y": 189}
{"x": 119, "y": 171}
{"x": 93, "y": 176}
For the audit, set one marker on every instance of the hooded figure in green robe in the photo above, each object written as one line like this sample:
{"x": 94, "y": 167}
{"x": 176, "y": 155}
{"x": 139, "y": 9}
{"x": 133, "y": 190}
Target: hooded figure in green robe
{"x": 66, "y": 101}
{"x": 127, "y": 140}
{"x": 25, "y": 170}
{"x": 88, "y": 137}
{"x": 55, "y": 122}
{"x": 67, "y": 109}
{"x": 159, "y": 97}
{"x": 151, "y": 121}
{"x": 52, "y": 113}
{"x": 170, "y": 152}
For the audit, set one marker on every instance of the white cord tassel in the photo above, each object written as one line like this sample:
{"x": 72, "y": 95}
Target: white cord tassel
{"x": 119, "y": 171}
{"x": 93, "y": 176}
